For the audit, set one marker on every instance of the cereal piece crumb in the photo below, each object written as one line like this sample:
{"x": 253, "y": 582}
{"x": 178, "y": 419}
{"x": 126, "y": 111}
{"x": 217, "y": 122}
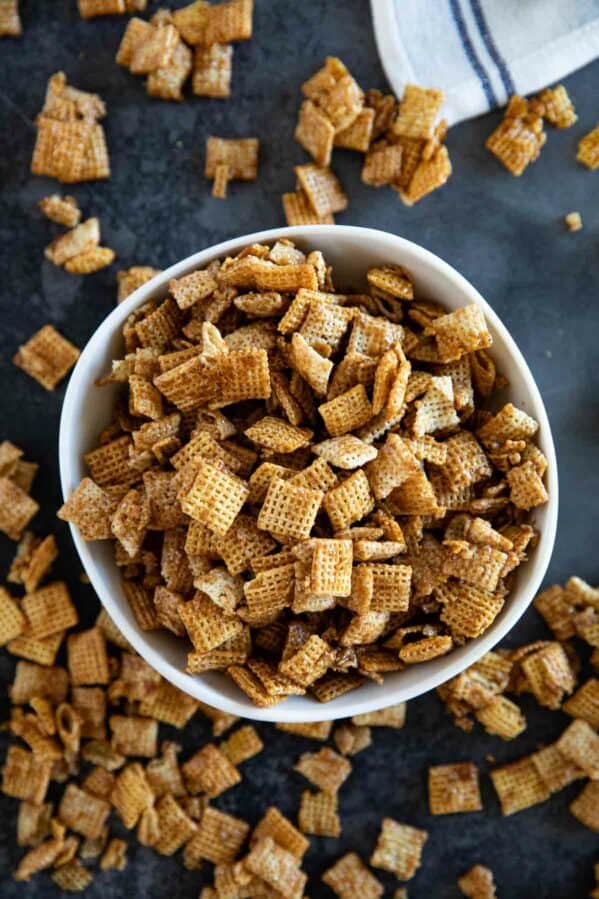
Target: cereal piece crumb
{"x": 478, "y": 883}
{"x": 573, "y": 221}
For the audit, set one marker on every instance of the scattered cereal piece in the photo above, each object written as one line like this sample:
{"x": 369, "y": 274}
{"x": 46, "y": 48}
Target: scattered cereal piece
{"x": 453, "y": 788}
{"x": 10, "y": 21}
{"x": 588, "y": 149}
{"x": 478, "y": 883}
{"x": 399, "y": 848}
{"x": 519, "y": 138}
{"x": 554, "y": 105}
{"x": 573, "y": 221}
{"x": 47, "y": 356}
{"x": 349, "y": 877}
{"x": 518, "y": 786}
{"x": 63, "y": 210}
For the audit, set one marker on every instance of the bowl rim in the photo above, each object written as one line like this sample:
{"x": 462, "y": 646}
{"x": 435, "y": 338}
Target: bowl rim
{"x": 349, "y": 704}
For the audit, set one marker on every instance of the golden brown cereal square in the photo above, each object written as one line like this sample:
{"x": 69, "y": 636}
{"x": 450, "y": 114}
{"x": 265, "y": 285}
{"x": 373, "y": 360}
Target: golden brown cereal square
{"x": 526, "y": 487}
{"x": 382, "y": 164}
{"x": 306, "y": 361}
{"x": 517, "y": 141}
{"x": 49, "y": 610}
{"x": 167, "y": 81}
{"x": 33, "y": 822}
{"x": 519, "y": 786}
{"x": 114, "y": 857}
{"x": 33, "y": 559}
{"x": 275, "y": 825}
{"x": 336, "y": 92}
{"x": 12, "y": 619}
{"x": 586, "y": 806}
{"x": 130, "y": 279}
{"x": 10, "y": 21}
{"x": 87, "y": 657}
{"x": 212, "y": 69}
{"x": 350, "y": 501}
{"x": 72, "y": 877}
{"x": 580, "y": 744}
{"x": 32, "y": 680}
{"x": 16, "y": 509}
{"x": 89, "y": 506}
{"x": 326, "y": 769}
{"x": 243, "y": 744}
{"x": 549, "y": 675}
{"x": 298, "y": 211}
{"x": 399, "y": 848}
{"x": 88, "y": 9}
{"x": 357, "y": 136}
{"x": 503, "y": 718}
{"x": 215, "y": 498}
{"x": 349, "y": 877}
{"x": 310, "y": 662}
{"x": 170, "y": 705}
{"x": 352, "y": 738}
{"x": 240, "y": 155}
{"x": 289, "y": 511}
{"x": 346, "y": 412}
{"x": 25, "y": 775}
{"x": 555, "y": 106}
{"x": 132, "y": 735}
{"x": 584, "y": 703}
{"x": 588, "y": 149}
{"x": 210, "y": 771}
{"x": 131, "y": 794}
{"x": 418, "y": 111}
{"x": 318, "y": 814}
{"x": 346, "y": 452}
{"x": 110, "y": 464}
{"x": 331, "y": 568}
{"x": 218, "y": 839}
{"x": 467, "y": 610}
{"x": 163, "y": 772}
{"x": 322, "y": 188}
{"x": 207, "y": 624}
{"x": 277, "y": 435}
{"x": 428, "y": 175}
{"x": 47, "y": 357}
{"x": 175, "y": 826}
{"x": 82, "y": 812}
{"x": 315, "y": 132}
{"x": 314, "y": 730}
{"x": 555, "y": 770}
{"x": 453, "y": 788}
{"x": 277, "y": 867}
{"x": 460, "y": 332}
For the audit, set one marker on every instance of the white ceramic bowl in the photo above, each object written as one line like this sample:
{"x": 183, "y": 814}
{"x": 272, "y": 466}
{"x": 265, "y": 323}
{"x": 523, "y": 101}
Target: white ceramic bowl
{"x": 87, "y": 409}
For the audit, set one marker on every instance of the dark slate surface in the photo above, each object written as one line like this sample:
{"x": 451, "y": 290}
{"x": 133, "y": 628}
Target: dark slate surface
{"x": 505, "y": 234}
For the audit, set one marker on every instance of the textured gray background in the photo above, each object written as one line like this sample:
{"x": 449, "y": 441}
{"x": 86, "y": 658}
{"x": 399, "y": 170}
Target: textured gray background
{"x": 505, "y": 234}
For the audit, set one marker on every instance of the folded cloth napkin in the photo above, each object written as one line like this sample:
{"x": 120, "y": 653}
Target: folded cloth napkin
{"x": 482, "y": 51}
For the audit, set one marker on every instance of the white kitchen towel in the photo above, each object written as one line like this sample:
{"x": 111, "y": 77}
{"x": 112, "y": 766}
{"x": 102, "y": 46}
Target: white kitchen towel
{"x": 482, "y": 51}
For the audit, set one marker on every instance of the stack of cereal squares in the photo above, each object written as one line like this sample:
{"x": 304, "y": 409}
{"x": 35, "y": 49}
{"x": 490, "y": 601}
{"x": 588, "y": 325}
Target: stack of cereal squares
{"x": 304, "y": 484}
{"x": 78, "y": 250}
{"x": 70, "y": 145}
{"x": 518, "y": 139}
{"x": 162, "y": 48}
{"x": 401, "y": 143}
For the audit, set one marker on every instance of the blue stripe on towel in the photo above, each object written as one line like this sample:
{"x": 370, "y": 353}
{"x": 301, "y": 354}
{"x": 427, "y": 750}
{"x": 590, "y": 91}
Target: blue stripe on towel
{"x": 473, "y": 59}
{"x": 491, "y": 46}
